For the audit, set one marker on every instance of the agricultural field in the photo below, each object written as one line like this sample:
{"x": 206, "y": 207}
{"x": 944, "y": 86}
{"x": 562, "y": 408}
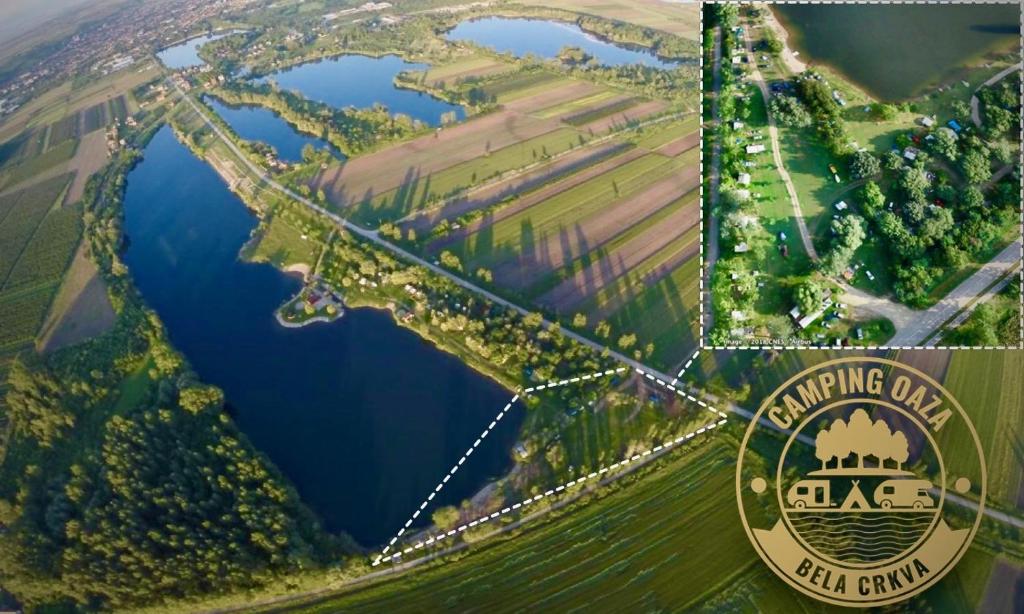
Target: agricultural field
{"x": 995, "y": 410}
{"x": 69, "y": 98}
{"x": 676, "y": 18}
{"x": 81, "y": 310}
{"x": 543, "y": 120}
{"x": 625, "y": 550}
{"x": 472, "y": 67}
{"x": 37, "y": 240}
{"x": 563, "y": 562}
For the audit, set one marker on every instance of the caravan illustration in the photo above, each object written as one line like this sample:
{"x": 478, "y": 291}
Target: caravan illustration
{"x": 860, "y": 457}
{"x": 889, "y": 495}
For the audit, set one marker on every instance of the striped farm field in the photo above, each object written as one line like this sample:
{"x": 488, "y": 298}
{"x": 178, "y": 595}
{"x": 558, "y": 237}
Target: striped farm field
{"x": 658, "y": 302}
{"x": 465, "y": 68}
{"x": 21, "y": 213}
{"x": 573, "y": 222}
{"x": 37, "y": 240}
{"x": 420, "y": 192}
{"x": 655, "y": 136}
{"x": 522, "y": 85}
{"x": 568, "y": 287}
{"x": 571, "y": 107}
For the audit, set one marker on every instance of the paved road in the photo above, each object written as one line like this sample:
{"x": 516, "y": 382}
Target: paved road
{"x": 996, "y": 289}
{"x": 975, "y": 103}
{"x": 963, "y": 299}
{"x": 773, "y": 133}
{"x": 715, "y": 178}
{"x": 374, "y": 237}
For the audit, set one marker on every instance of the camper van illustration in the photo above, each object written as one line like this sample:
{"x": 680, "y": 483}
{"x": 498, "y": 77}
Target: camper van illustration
{"x": 903, "y": 494}
{"x": 809, "y": 494}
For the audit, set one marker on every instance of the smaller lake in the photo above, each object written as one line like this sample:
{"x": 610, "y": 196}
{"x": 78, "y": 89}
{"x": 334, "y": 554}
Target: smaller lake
{"x": 361, "y": 81}
{"x": 255, "y": 123}
{"x": 186, "y": 54}
{"x": 546, "y": 38}
{"x": 895, "y": 51}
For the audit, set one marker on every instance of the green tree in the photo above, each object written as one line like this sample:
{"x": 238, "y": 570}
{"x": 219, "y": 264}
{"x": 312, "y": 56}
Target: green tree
{"x": 892, "y": 160}
{"x": 945, "y": 144}
{"x": 445, "y": 518}
{"x": 864, "y": 164}
{"x": 450, "y": 261}
{"x": 872, "y": 200}
{"x": 195, "y": 399}
{"x": 809, "y": 296}
{"x": 848, "y": 233}
{"x": 976, "y": 167}
{"x": 35, "y": 405}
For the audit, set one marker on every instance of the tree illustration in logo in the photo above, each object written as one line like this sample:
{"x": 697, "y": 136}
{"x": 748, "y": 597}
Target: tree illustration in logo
{"x": 862, "y": 438}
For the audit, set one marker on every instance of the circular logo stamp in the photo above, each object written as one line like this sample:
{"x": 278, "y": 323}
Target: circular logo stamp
{"x": 861, "y": 481}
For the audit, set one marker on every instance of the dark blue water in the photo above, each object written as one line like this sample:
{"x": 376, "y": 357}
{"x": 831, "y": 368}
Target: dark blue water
{"x": 186, "y": 54}
{"x": 363, "y": 416}
{"x": 545, "y": 39}
{"x": 896, "y": 51}
{"x": 255, "y": 123}
{"x": 360, "y": 81}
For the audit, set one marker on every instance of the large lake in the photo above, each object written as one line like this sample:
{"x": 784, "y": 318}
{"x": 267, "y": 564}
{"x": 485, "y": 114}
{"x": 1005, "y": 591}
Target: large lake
{"x": 545, "y": 39}
{"x": 255, "y": 123}
{"x": 897, "y": 51}
{"x": 362, "y": 415}
{"x": 361, "y": 81}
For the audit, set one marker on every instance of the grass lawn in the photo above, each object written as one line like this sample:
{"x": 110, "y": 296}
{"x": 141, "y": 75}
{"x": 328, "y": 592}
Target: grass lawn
{"x": 807, "y": 160}
{"x": 282, "y": 245}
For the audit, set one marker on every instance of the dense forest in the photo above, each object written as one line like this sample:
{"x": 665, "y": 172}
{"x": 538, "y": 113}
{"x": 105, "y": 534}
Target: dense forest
{"x": 123, "y": 480}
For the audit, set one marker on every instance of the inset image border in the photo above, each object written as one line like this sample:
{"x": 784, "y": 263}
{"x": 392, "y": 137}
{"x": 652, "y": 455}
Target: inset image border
{"x": 910, "y": 328}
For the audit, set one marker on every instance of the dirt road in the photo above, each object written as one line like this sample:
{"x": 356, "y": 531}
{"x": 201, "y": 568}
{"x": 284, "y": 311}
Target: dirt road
{"x": 773, "y": 134}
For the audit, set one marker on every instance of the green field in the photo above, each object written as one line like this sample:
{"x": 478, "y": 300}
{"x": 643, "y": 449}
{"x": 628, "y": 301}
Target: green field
{"x": 282, "y": 244}
{"x": 522, "y": 85}
{"x": 29, "y": 168}
{"x": 546, "y": 282}
{"x": 657, "y": 135}
{"x": 622, "y": 553}
{"x": 996, "y": 411}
